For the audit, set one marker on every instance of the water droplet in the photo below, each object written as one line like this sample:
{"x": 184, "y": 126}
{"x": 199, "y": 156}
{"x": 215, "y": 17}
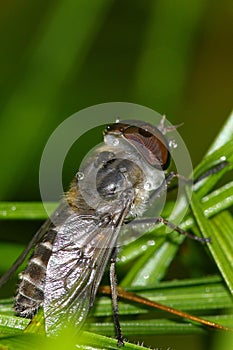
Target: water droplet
{"x": 151, "y": 242}
{"x": 79, "y": 176}
{"x": 147, "y": 186}
{"x": 146, "y": 277}
{"x": 223, "y": 158}
{"x": 173, "y": 144}
{"x": 4, "y": 213}
{"x": 123, "y": 170}
{"x": 115, "y": 142}
{"x": 13, "y": 208}
{"x": 144, "y": 247}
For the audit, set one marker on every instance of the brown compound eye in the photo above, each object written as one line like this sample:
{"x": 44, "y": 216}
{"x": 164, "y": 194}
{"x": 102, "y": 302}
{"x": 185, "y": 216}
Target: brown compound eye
{"x": 148, "y": 141}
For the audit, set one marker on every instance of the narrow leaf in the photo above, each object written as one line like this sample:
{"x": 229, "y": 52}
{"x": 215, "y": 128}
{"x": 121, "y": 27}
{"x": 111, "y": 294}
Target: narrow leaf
{"x": 221, "y": 254}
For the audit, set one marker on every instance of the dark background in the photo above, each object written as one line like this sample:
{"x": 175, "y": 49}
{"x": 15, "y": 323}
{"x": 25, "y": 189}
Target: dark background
{"x": 58, "y": 57}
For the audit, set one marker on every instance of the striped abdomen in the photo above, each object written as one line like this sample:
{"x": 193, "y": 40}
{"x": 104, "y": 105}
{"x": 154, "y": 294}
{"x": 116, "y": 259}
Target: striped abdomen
{"x": 30, "y": 294}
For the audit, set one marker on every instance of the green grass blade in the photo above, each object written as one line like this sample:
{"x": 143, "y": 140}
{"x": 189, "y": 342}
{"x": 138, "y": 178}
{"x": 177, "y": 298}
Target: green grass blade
{"x": 216, "y": 157}
{"x": 221, "y": 149}
{"x": 203, "y": 294}
{"x": 152, "y": 265}
{"x": 25, "y": 210}
{"x": 161, "y": 326}
{"x": 101, "y": 342}
{"x": 224, "y": 223}
{"x": 218, "y": 200}
{"x": 221, "y": 252}
{"x": 199, "y": 296}
{"x": 225, "y": 134}
{"x": 11, "y": 327}
{"x": 85, "y": 340}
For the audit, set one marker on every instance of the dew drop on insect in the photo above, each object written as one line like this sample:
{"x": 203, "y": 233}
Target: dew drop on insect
{"x": 4, "y": 213}
{"x": 151, "y": 242}
{"x": 146, "y": 277}
{"x": 115, "y": 142}
{"x": 173, "y": 144}
{"x": 79, "y": 176}
{"x": 147, "y": 186}
{"x": 223, "y": 158}
{"x": 13, "y": 208}
{"x": 123, "y": 170}
{"x": 144, "y": 247}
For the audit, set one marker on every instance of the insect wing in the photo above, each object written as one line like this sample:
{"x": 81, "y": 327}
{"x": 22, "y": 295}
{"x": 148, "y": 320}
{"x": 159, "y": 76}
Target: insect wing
{"x": 81, "y": 250}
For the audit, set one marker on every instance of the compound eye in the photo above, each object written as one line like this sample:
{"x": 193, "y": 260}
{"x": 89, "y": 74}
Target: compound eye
{"x": 151, "y": 144}
{"x": 147, "y": 139}
{"x": 144, "y": 133}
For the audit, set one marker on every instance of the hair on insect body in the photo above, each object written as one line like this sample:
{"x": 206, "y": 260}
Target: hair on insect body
{"x": 114, "y": 184}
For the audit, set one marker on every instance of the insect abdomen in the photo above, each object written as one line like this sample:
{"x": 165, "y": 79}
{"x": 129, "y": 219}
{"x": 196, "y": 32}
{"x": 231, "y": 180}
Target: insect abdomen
{"x": 30, "y": 294}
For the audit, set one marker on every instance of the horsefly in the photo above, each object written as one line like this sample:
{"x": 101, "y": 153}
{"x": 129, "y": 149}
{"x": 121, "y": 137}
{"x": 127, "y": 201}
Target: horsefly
{"x": 72, "y": 249}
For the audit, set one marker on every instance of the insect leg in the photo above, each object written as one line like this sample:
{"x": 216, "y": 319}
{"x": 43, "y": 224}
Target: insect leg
{"x": 153, "y": 221}
{"x": 182, "y": 232}
{"x": 164, "y": 185}
{"x": 113, "y": 284}
{"x": 203, "y": 176}
{"x": 212, "y": 171}
{"x": 172, "y": 175}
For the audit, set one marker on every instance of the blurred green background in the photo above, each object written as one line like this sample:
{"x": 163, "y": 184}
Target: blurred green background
{"x": 58, "y": 57}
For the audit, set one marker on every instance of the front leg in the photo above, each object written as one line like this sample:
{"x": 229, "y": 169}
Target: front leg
{"x": 113, "y": 283}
